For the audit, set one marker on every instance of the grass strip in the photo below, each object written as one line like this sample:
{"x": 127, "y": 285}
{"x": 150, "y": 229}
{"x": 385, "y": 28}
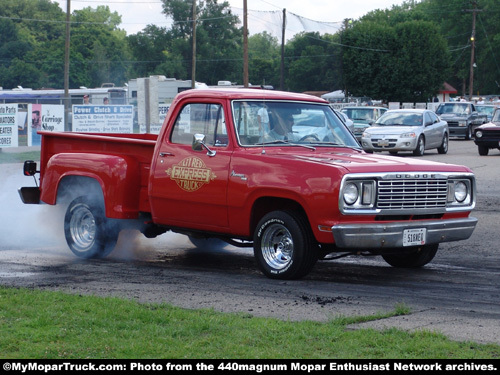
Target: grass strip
{"x": 44, "y": 324}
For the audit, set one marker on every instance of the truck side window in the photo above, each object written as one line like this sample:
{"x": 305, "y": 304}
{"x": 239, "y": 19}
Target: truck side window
{"x": 200, "y": 118}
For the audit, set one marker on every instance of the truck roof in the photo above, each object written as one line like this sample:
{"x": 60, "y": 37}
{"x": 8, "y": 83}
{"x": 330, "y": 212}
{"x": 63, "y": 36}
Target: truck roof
{"x": 235, "y": 93}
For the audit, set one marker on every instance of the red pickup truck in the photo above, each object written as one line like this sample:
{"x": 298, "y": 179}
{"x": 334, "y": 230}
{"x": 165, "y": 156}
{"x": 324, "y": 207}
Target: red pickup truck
{"x": 273, "y": 170}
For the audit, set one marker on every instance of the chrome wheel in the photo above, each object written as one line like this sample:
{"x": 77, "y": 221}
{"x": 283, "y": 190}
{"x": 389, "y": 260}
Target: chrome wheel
{"x": 88, "y": 232}
{"x": 284, "y": 246}
{"x": 82, "y": 228}
{"x": 277, "y": 246}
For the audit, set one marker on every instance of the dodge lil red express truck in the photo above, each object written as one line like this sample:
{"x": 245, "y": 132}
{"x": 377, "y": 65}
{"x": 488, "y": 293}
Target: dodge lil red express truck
{"x": 274, "y": 170}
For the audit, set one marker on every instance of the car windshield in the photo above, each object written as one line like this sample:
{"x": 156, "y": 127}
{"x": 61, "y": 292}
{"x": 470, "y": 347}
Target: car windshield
{"x": 485, "y": 109}
{"x": 455, "y": 108}
{"x": 400, "y": 119}
{"x": 496, "y": 116}
{"x": 281, "y": 123}
{"x": 363, "y": 114}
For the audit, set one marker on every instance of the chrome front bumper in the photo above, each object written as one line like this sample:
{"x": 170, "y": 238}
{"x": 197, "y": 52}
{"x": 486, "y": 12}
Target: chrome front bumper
{"x": 390, "y": 235}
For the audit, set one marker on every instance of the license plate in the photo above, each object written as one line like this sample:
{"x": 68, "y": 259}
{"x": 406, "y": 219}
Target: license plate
{"x": 383, "y": 142}
{"x": 414, "y": 237}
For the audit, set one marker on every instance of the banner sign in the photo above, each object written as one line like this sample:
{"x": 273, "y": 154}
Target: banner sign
{"x": 8, "y": 125}
{"x": 47, "y": 117}
{"x": 103, "y": 118}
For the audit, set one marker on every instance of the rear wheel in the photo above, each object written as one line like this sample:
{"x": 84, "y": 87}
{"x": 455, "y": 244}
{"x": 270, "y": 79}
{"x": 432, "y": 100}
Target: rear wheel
{"x": 88, "y": 232}
{"x": 419, "y": 258}
{"x": 284, "y": 246}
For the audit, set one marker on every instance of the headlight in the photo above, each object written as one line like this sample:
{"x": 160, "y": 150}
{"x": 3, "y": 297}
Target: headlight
{"x": 351, "y": 193}
{"x": 479, "y": 134}
{"x": 408, "y": 135}
{"x": 462, "y": 123}
{"x": 461, "y": 191}
{"x": 366, "y": 135}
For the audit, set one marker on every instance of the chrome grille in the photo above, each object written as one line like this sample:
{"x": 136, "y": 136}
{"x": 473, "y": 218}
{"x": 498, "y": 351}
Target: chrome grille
{"x": 412, "y": 193}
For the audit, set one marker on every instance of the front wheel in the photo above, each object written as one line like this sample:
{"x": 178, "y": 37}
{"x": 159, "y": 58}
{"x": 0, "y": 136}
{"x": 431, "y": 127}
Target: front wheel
{"x": 420, "y": 149}
{"x": 88, "y": 232}
{"x": 284, "y": 246}
{"x": 443, "y": 149}
{"x": 483, "y": 150}
{"x": 419, "y": 258}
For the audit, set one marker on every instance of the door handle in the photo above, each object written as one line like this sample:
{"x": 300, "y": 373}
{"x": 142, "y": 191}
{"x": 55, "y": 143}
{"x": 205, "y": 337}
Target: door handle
{"x": 163, "y": 154}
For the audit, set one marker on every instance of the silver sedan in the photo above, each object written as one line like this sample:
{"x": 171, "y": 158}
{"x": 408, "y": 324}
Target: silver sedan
{"x": 414, "y": 130}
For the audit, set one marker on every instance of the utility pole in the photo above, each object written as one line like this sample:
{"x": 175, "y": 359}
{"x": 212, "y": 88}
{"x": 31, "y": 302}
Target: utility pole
{"x": 473, "y": 46}
{"x": 67, "y": 104}
{"x": 245, "y": 44}
{"x": 282, "y": 65}
{"x": 193, "y": 60}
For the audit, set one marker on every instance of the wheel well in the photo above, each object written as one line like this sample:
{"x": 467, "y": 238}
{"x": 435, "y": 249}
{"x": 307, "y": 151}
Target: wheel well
{"x": 71, "y": 187}
{"x": 265, "y": 205}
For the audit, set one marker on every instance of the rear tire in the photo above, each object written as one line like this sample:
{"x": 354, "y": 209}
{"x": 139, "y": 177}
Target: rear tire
{"x": 88, "y": 232}
{"x": 419, "y": 258}
{"x": 283, "y": 246}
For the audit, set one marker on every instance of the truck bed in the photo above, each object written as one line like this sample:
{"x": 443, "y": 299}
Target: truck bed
{"x": 86, "y": 146}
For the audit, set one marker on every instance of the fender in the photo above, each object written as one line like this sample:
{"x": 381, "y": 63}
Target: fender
{"x": 118, "y": 177}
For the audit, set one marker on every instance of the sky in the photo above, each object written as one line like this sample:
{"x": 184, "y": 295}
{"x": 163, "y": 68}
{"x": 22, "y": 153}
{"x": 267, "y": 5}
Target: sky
{"x": 263, "y": 15}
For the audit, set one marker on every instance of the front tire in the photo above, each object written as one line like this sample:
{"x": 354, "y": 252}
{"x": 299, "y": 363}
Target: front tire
{"x": 483, "y": 150}
{"x": 420, "y": 149}
{"x": 443, "y": 149}
{"x": 283, "y": 246}
{"x": 419, "y": 258}
{"x": 88, "y": 232}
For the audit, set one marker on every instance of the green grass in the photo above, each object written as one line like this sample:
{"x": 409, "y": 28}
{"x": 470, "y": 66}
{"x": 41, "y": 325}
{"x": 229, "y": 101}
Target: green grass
{"x": 41, "y": 324}
{"x": 18, "y": 157}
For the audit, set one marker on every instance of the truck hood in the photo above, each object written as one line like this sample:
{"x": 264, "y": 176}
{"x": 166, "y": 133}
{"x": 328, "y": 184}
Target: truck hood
{"x": 392, "y": 130}
{"x": 353, "y": 161}
{"x": 445, "y": 116}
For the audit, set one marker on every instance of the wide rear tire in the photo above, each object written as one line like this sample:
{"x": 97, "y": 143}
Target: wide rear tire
{"x": 88, "y": 232}
{"x": 284, "y": 246}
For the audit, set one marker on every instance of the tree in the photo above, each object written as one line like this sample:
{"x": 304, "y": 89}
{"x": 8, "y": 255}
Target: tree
{"x": 407, "y": 62}
{"x": 264, "y": 59}
{"x": 218, "y": 39}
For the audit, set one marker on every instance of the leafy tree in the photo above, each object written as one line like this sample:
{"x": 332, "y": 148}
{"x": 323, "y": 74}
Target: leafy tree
{"x": 218, "y": 39}
{"x": 264, "y": 59}
{"x": 313, "y": 62}
{"x": 407, "y": 62}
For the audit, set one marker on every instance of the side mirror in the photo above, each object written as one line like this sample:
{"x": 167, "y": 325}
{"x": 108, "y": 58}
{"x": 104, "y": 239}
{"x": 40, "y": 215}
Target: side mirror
{"x": 199, "y": 144}
{"x": 29, "y": 168}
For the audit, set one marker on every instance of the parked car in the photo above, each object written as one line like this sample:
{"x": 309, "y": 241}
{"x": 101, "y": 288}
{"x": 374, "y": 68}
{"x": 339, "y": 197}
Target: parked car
{"x": 488, "y": 135}
{"x": 414, "y": 130}
{"x": 346, "y": 120}
{"x": 462, "y": 118}
{"x": 486, "y": 109}
{"x": 363, "y": 117}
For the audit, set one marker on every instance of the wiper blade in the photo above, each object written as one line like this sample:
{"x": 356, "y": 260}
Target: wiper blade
{"x": 282, "y": 141}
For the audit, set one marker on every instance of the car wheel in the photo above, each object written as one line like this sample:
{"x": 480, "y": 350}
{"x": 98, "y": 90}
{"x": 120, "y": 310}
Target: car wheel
{"x": 88, "y": 232}
{"x": 420, "y": 149}
{"x": 418, "y": 258}
{"x": 443, "y": 149}
{"x": 468, "y": 133}
{"x": 483, "y": 150}
{"x": 283, "y": 246}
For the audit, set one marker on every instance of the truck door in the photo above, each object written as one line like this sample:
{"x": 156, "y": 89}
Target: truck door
{"x": 189, "y": 188}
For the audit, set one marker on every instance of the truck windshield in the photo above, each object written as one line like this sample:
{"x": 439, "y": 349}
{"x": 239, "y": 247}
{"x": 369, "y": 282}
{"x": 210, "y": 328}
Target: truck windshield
{"x": 266, "y": 122}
